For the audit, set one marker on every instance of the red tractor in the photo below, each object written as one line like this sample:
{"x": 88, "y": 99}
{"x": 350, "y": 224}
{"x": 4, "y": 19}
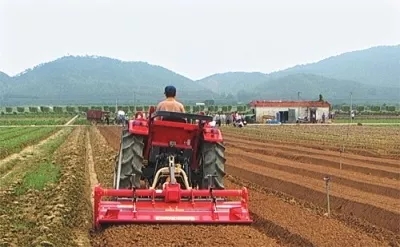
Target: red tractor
{"x": 170, "y": 168}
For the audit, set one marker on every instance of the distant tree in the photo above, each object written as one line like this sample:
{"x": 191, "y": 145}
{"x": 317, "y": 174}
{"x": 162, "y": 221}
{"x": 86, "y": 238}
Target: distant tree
{"x": 20, "y": 109}
{"x": 345, "y": 108}
{"x": 57, "y": 109}
{"x": 84, "y": 108}
{"x": 225, "y": 108}
{"x": 106, "y": 108}
{"x": 391, "y": 108}
{"x": 45, "y": 109}
{"x": 209, "y": 102}
{"x": 70, "y": 109}
{"x": 33, "y": 109}
{"x": 188, "y": 108}
{"x": 229, "y": 108}
{"x": 321, "y": 98}
{"x": 146, "y": 108}
{"x": 360, "y": 108}
{"x": 139, "y": 108}
{"x": 132, "y": 108}
{"x": 112, "y": 109}
{"x": 125, "y": 108}
{"x": 9, "y": 109}
{"x": 375, "y": 108}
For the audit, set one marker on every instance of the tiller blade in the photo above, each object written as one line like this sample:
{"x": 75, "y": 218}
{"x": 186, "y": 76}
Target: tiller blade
{"x": 171, "y": 205}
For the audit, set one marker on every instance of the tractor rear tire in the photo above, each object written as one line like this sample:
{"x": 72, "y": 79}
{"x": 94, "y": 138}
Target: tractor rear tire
{"x": 132, "y": 160}
{"x": 213, "y": 163}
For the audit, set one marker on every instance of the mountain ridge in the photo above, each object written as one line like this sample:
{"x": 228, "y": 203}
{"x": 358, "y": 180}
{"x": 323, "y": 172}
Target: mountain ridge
{"x": 99, "y": 79}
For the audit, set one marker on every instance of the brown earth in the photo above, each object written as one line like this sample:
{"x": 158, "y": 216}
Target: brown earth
{"x": 279, "y": 219}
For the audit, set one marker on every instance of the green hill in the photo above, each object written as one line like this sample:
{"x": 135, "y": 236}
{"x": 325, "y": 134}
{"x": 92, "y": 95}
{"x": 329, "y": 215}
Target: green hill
{"x": 376, "y": 66}
{"x": 232, "y": 82}
{"x": 372, "y": 74}
{"x": 310, "y": 86}
{"x": 92, "y": 80}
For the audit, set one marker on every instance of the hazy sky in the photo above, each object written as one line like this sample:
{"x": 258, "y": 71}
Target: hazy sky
{"x": 195, "y": 38}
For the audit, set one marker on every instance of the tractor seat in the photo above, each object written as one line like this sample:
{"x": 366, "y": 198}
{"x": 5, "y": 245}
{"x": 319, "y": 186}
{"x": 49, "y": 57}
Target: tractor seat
{"x": 173, "y": 119}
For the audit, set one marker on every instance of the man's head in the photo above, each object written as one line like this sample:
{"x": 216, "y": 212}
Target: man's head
{"x": 170, "y": 91}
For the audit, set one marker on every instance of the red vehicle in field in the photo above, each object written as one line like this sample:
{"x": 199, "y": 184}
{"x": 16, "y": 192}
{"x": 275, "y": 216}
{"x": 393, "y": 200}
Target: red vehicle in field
{"x": 97, "y": 116}
{"x": 170, "y": 169}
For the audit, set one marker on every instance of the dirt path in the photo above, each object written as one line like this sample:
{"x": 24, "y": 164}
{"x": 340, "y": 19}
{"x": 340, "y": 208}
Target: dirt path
{"x": 167, "y": 235}
{"x": 90, "y": 165}
{"x": 72, "y": 120}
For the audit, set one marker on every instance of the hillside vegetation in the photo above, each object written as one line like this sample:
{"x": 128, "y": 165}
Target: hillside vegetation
{"x": 91, "y": 79}
{"x": 373, "y": 75}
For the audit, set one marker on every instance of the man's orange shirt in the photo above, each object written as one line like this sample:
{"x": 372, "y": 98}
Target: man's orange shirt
{"x": 170, "y": 104}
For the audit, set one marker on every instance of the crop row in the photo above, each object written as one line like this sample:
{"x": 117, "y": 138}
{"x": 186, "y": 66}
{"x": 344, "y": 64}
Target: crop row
{"x": 33, "y": 121}
{"x": 16, "y": 132}
{"x": 16, "y": 139}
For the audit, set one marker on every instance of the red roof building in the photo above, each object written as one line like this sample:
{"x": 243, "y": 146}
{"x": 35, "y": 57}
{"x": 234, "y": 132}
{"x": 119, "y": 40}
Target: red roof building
{"x": 291, "y": 104}
{"x": 289, "y": 111}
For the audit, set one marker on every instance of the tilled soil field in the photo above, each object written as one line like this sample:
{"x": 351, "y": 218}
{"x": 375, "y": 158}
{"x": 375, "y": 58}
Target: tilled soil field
{"x": 287, "y": 198}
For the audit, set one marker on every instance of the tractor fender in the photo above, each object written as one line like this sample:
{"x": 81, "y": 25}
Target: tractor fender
{"x": 138, "y": 127}
{"x": 213, "y": 135}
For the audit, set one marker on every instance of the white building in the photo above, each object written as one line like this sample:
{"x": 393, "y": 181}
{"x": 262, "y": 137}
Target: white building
{"x": 289, "y": 111}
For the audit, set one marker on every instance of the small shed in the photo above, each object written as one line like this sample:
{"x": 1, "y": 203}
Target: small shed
{"x": 289, "y": 111}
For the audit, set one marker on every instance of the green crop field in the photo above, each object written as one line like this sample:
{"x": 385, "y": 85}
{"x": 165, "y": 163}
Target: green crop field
{"x": 34, "y": 119}
{"x": 13, "y": 140}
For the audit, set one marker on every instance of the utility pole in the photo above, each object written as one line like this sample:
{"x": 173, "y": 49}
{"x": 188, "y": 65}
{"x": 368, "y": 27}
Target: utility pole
{"x": 351, "y": 107}
{"x": 327, "y": 179}
{"x": 298, "y": 109}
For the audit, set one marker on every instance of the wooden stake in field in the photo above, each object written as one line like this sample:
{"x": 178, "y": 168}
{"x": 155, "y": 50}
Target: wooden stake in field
{"x": 327, "y": 179}
{"x": 341, "y": 154}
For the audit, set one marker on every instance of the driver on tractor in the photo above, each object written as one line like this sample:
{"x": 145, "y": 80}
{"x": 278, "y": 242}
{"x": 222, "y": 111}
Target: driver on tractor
{"x": 170, "y": 103}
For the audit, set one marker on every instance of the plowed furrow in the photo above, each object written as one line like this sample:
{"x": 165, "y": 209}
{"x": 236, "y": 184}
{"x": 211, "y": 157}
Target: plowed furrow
{"x": 299, "y": 149}
{"x": 391, "y": 173}
{"x": 378, "y": 186}
{"x": 313, "y": 191}
{"x": 302, "y": 227}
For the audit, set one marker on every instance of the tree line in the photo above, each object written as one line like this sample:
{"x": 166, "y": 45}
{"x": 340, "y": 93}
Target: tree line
{"x": 128, "y": 109}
